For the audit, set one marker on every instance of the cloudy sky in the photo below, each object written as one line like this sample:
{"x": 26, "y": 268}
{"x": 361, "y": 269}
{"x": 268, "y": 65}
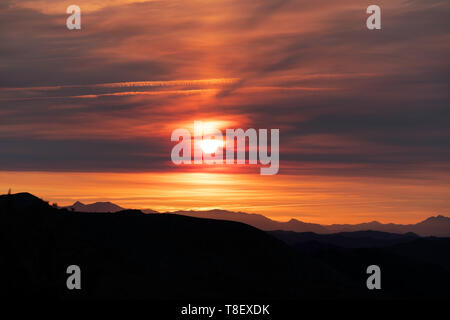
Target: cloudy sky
{"x": 363, "y": 115}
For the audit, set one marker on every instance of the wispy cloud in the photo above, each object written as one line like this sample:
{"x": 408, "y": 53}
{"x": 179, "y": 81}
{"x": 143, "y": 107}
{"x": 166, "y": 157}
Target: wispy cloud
{"x": 309, "y": 68}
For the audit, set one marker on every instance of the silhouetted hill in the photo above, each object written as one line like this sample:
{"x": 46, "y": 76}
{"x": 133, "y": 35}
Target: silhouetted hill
{"x": 412, "y": 267}
{"x": 433, "y": 226}
{"x": 130, "y": 254}
{"x": 357, "y": 239}
{"x": 431, "y": 250}
{"x": 255, "y": 220}
{"x": 135, "y": 255}
{"x": 21, "y": 201}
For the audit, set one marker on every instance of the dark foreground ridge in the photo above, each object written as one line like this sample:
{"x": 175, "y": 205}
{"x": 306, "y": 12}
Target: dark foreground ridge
{"x": 130, "y": 254}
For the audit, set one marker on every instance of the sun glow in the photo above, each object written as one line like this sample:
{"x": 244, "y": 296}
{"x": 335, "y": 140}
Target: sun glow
{"x": 210, "y": 145}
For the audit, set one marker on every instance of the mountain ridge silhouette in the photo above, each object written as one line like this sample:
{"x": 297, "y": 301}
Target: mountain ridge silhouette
{"x": 438, "y": 226}
{"x": 154, "y": 256}
{"x": 131, "y": 255}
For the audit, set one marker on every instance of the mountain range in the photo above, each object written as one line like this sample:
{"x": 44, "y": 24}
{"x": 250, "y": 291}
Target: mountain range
{"x": 129, "y": 254}
{"x": 438, "y": 226}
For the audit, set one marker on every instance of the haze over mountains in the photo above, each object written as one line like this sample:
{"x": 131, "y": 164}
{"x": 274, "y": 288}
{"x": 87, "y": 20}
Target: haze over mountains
{"x": 438, "y": 226}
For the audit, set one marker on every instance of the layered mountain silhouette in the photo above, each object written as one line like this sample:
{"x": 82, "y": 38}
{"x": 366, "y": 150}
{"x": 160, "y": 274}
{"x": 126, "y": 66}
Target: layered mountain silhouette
{"x": 100, "y": 207}
{"x": 434, "y": 226}
{"x": 129, "y": 254}
{"x": 357, "y": 239}
{"x": 438, "y": 226}
{"x": 403, "y": 258}
{"x": 256, "y": 220}
{"x": 95, "y": 207}
{"x": 427, "y": 249}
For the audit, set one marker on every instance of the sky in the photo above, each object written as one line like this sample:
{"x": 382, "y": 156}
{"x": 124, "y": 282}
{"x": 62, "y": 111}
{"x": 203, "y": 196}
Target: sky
{"x": 363, "y": 114}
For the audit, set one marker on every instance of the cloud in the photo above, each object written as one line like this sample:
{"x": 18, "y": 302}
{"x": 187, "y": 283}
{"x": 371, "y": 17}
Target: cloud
{"x": 347, "y": 100}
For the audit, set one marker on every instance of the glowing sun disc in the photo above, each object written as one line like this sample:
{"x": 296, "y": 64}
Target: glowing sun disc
{"x": 210, "y": 145}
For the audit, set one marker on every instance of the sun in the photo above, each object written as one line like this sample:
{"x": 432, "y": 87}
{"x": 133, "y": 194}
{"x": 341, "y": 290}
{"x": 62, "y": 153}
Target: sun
{"x": 210, "y": 145}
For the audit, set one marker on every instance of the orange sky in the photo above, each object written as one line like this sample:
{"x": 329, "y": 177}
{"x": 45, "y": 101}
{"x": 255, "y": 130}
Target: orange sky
{"x": 308, "y": 198}
{"x": 363, "y": 115}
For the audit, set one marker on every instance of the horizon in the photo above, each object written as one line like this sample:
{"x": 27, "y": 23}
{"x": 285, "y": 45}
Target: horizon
{"x": 177, "y": 211}
{"x": 95, "y": 187}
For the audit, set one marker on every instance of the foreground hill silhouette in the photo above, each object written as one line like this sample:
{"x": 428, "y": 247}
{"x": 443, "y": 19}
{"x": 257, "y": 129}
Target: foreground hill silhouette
{"x": 135, "y": 255}
{"x": 414, "y": 267}
{"x": 357, "y": 239}
{"x": 129, "y": 254}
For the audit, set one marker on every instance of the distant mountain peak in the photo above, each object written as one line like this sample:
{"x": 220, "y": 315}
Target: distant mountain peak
{"x": 102, "y": 206}
{"x": 105, "y": 206}
{"x": 438, "y": 218}
{"x": 107, "y": 203}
